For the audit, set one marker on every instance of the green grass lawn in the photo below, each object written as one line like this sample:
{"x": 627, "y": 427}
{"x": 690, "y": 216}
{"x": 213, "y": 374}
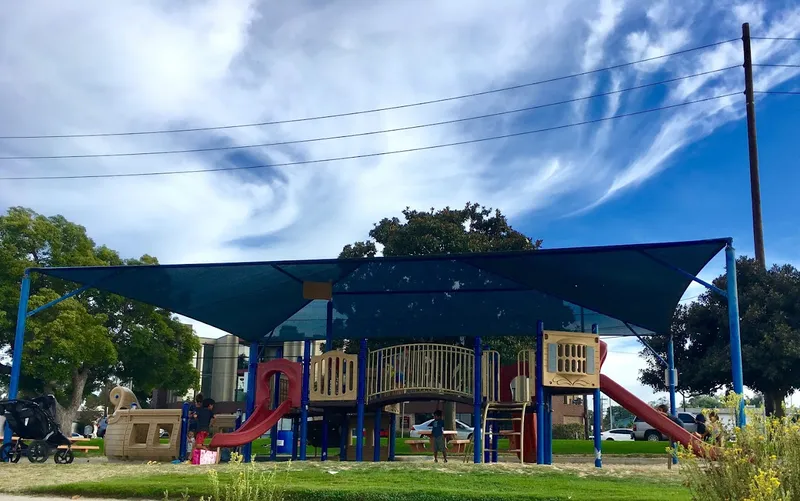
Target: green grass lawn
{"x": 396, "y": 482}
{"x": 560, "y": 448}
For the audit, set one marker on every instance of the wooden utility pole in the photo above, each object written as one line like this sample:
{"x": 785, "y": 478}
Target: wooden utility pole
{"x": 755, "y": 183}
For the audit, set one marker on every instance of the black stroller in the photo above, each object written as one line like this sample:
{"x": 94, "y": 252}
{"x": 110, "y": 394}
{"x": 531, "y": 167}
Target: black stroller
{"x": 34, "y": 420}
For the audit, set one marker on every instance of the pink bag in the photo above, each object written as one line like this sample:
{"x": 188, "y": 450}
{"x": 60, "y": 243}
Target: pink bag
{"x": 203, "y": 456}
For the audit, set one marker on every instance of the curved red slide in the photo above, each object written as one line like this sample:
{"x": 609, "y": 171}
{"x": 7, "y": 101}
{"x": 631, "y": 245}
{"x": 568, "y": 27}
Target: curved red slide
{"x": 263, "y": 417}
{"x": 654, "y": 418}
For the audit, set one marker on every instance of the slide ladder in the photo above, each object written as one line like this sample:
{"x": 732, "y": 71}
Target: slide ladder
{"x": 516, "y": 410}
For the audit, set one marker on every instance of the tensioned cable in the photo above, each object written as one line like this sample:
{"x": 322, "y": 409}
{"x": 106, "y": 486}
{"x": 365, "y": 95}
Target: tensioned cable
{"x": 370, "y": 155}
{"x": 378, "y": 110}
{"x": 369, "y": 133}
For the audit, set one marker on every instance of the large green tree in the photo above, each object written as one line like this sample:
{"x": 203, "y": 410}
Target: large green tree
{"x": 769, "y": 308}
{"x": 77, "y": 346}
{"x": 447, "y": 231}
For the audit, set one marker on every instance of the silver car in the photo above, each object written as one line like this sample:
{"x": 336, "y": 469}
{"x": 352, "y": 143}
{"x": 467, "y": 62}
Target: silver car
{"x": 643, "y": 431}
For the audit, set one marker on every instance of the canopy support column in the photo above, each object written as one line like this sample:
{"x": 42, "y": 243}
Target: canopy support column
{"x": 540, "y": 433}
{"x": 304, "y": 399}
{"x": 733, "y": 321}
{"x": 673, "y": 410}
{"x": 392, "y": 435}
{"x": 477, "y": 425}
{"x": 323, "y": 455}
{"x": 376, "y": 436}
{"x": 250, "y": 396}
{"x": 276, "y": 397}
{"x": 361, "y": 399}
{"x": 597, "y": 415}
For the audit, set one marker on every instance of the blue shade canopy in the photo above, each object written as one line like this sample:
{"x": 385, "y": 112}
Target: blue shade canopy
{"x": 431, "y": 296}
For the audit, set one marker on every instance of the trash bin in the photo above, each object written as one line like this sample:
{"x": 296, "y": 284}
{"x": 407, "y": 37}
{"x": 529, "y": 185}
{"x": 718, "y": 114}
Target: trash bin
{"x": 285, "y": 438}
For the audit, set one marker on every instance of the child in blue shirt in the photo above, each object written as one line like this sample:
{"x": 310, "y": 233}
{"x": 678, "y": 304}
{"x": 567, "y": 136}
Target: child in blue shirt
{"x": 437, "y": 432}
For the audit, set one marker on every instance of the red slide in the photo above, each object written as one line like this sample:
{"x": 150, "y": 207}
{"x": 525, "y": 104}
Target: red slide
{"x": 263, "y": 417}
{"x": 654, "y": 418}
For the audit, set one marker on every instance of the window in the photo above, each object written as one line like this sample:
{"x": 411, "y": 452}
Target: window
{"x": 686, "y": 417}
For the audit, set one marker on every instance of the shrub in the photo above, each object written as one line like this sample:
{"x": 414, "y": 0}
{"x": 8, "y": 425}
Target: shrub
{"x": 571, "y": 431}
{"x": 758, "y": 462}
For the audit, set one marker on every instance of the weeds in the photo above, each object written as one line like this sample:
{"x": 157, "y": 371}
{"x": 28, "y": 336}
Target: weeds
{"x": 759, "y": 462}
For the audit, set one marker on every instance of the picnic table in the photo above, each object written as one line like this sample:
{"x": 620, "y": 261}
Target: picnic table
{"x": 449, "y": 436}
{"x": 83, "y": 448}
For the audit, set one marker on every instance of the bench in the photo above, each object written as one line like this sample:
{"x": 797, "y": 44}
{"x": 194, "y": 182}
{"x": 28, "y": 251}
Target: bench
{"x": 417, "y": 445}
{"x": 459, "y": 445}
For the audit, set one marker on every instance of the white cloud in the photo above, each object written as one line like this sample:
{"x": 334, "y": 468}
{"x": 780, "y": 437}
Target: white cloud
{"x": 98, "y": 66}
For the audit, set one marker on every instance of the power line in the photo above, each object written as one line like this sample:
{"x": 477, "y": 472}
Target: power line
{"x": 779, "y": 92}
{"x": 769, "y": 65}
{"x": 378, "y": 110}
{"x": 370, "y": 133}
{"x": 371, "y": 155}
{"x": 776, "y": 38}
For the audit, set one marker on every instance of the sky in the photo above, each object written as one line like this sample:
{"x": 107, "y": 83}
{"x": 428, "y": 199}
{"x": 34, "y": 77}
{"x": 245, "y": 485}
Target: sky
{"x": 677, "y": 174}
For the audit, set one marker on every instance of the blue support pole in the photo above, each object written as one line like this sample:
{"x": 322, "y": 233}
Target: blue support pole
{"x": 323, "y": 455}
{"x": 477, "y": 404}
{"x": 487, "y": 443}
{"x": 250, "y": 399}
{"x": 735, "y": 338}
{"x": 276, "y": 392}
{"x": 673, "y": 408}
{"x": 540, "y": 424}
{"x": 19, "y": 340}
{"x": 344, "y": 437}
{"x": 182, "y": 454}
{"x": 597, "y": 415}
{"x": 376, "y": 436}
{"x": 548, "y": 428}
{"x": 304, "y": 399}
{"x": 295, "y": 435}
{"x": 392, "y": 435}
{"x": 361, "y": 399}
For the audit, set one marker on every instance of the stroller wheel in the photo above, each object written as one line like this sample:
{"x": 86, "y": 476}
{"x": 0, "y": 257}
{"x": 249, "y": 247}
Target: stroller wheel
{"x": 64, "y": 456}
{"x": 9, "y": 453}
{"x": 38, "y": 451}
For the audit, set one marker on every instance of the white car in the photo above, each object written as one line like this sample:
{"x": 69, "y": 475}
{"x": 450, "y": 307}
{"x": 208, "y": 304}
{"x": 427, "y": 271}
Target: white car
{"x": 463, "y": 431}
{"x": 620, "y": 434}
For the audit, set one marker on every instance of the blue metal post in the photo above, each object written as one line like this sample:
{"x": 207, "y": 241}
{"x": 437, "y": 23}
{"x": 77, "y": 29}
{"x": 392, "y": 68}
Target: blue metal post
{"x": 477, "y": 404}
{"x": 597, "y": 416}
{"x": 250, "y": 398}
{"x": 361, "y": 399}
{"x": 323, "y": 455}
{"x": 344, "y": 437}
{"x": 295, "y": 434}
{"x": 304, "y": 399}
{"x": 733, "y": 320}
{"x": 487, "y": 443}
{"x": 276, "y": 392}
{"x": 673, "y": 408}
{"x": 496, "y": 440}
{"x": 392, "y": 435}
{"x": 184, "y": 432}
{"x": 548, "y": 428}
{"x": 540, "y": 424}
{"x": 19, "y": 340}
{"x": 376, "y": 436}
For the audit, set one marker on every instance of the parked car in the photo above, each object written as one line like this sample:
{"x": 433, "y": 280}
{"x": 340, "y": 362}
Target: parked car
{"x": 463, "y": 431}
{"x": 643, "y": 431}
{"x": 619, "y": 434}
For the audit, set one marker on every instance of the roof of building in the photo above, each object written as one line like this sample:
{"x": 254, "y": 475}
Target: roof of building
{"x": 501, "y": 293}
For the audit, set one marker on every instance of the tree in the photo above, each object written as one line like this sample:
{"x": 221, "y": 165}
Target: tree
{"x": 705, "y": 402}
{"x": 472, "y": 229}
{"x": 769, "y": 308}
{"x": 74, "y": 347}
{"x": 622, "y": 417}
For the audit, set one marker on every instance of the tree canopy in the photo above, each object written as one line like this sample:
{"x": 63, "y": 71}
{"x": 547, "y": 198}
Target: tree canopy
{"x": 447, "y": 231}
{"x": 769, "y": 307}
{"x": 81, "y": 343}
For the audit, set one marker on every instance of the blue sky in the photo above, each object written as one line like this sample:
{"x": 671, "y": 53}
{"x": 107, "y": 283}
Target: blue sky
{"x": 678, "y": 174}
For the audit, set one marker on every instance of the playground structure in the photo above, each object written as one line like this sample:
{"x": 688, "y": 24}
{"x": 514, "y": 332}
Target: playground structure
{"x": 455, "y": 296}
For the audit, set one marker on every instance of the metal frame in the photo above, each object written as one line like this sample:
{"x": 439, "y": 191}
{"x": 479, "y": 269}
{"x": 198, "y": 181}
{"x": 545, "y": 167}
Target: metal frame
{"x": 540, "y": 433}
{"x": 477, "y": 433}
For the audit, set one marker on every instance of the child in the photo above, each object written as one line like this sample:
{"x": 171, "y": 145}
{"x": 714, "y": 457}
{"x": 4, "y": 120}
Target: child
{"x": 205, "y": 416}
{"x": 702, "y": 430}
{"x": 437, "y": 432}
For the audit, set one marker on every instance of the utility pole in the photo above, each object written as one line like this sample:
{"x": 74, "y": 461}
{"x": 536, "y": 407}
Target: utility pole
{"x": 752, "y": 143}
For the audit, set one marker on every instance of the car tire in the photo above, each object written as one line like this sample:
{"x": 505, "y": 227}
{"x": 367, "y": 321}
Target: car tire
{"x": 609, "y": 439}
{"x": 653, "y": 436}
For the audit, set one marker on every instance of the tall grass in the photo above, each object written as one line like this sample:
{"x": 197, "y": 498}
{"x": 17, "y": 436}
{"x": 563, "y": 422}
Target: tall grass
{"x": 758, "y": 462}
{"x": 243, "y": 482}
